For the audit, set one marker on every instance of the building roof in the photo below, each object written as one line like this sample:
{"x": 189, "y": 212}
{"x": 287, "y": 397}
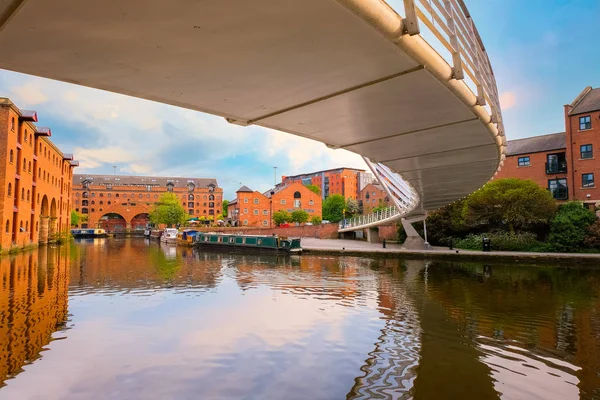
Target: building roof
{"x": 132, "y": 180}
{"x": 587, "y": 101}
{"x": 536, "y": 144}
{"x": 232, "y": 202}
{"x": 245, "y": 189}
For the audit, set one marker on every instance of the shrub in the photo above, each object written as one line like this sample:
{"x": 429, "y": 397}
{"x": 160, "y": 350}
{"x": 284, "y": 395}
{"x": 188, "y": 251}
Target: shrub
{"x": 592, "y": 238}
{"x": 502, "y": 241}
{"x": 300, "y": 216}
{"x": 569, "y": 227}
{"x": 316, "y": 220}
{"x": 281, "y": 217}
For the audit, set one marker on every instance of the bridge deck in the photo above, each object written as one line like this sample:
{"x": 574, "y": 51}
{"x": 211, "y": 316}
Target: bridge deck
{"x": 339, "y": 72}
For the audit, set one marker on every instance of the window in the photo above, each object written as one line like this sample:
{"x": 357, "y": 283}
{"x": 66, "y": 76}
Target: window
{"x": 22, "y": 194}
{"x": 246, "y": 201}
{"x": 211, "y": 205}
{"x": 523, "y": 162}
{"x": 297, "y": 203}
{"x": 28, "y": 195}
{"x": 191, "y": 204}
{"x": 311, "y": 202}
{"x": 245, "y": 211}
{"x": 245, "y": 222}
{"x": 282, "y": 201}
{"x": 7, "y": 221}
{"x": 297, "y": 195}
{"x": 585, "y": 123}
{"x": 556, "y": 163}
{"x": 24, "y": 164}
{"x": 12, "y": 124}
{"x": 9, "y": 190}
{"x": 255, "y": 212}
{"x": 211, "y": 197}
{"x": 256, "y": 201}
{"x": 265, "y": 212}
{"x": 190, "y": 212}
{"x": 586, "y": 151}
{"x": 11, "y": 156}
{"x": 84, "y": 211}
{"x": 211, "y": 212}
{"x": 587, "y": 180}
{"x": 265, "y": 223}
{"x": 558, "y": 188}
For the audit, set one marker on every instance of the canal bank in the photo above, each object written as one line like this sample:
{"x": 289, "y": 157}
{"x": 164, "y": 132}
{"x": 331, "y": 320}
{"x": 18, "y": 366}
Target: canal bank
{"x": 361, "y": 248}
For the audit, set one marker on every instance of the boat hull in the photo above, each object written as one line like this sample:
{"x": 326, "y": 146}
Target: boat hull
{"x": 249, "y": 242}
{"x": 88, "y": 233}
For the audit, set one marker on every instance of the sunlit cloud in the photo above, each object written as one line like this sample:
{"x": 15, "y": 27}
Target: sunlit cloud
{"x": 507, "y": 100}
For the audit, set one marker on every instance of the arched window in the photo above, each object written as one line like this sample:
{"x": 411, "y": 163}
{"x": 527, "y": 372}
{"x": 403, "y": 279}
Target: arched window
{"x": 9, "y": 189}
{"x": 77, "y": 194}
{"x": 191, "y": 197}
{"x": 77, "y": 202}
{"x": 156, "y": 196}
{"x": 36, "y": 226}
{"x": 211, "y": 197}
{"x": 23, "y": 194}
{"x": 11, "y": 156}
{"x": 7, "y": 221}
{"x": 124, "y": 195}
{"x": 297, "y": 195}
{"x": 12, "y": 124}
{"x": 40, "y": 148}
{"x": 84, "y": 202}
{"x": 148, "y": 195}
{"x": 25, "y": 135}
{"x": 30, "y": 139}
{"x": 24, "y": 164}
{"x": 39, "y": 172}
{"x": 93, "y": 202}
{"x": 28, "y": 195}
{"x": 44, "y": 151}
{"x": 38, "y": 199}
{"x": 117, "y": 195}
{"x": 101, "y": 202}
{"x": 27, "y": 226}
{"x": 101, "y": 194}
{"x": 297, "y": 201}
{"x": 141, "y": 195}
{"x": 109, "y": 202}
{"x": 191, "y": 204}
{"x": 29, "y": 167}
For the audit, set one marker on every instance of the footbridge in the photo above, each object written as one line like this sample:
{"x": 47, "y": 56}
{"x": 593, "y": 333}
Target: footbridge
{"x": 407, "y": 85}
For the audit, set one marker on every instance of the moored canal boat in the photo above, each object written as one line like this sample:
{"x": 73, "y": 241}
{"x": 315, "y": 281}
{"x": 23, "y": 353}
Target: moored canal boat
{"x": 155, "y": 234}
{"x": 169, "y": 235}
{"x": 187, "y": 237}
{"x": 239, "y": 241}
{"x": 89, "y": 233}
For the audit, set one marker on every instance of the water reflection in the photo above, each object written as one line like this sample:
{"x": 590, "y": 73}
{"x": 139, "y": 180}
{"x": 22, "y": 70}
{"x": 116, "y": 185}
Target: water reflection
{"x": 155, "y": 321}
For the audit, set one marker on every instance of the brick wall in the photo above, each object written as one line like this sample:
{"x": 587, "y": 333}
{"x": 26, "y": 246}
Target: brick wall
{"x": 578, "y": 166}
{"x": 388, "y": 232}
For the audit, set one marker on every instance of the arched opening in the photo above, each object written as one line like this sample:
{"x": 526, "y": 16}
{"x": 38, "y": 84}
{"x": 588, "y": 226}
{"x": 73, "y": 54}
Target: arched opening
{"x": 297, "y": 201}
{"x": 53, "y": 209}
{"x": 45, "y": 209}
{"x": 139, "y": 222}
{"x": 9, "y": 190}
{"x": 112, "y": 222}
{"x": 11, "y": 156}
{"x": 7, "y": 226}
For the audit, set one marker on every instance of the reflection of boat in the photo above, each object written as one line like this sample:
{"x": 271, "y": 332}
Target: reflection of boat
{"x": 275, "y": 243}
{"x": 88, "y": 233}
{"x": 187, "y": 237}
{"x": 169, "y": 235}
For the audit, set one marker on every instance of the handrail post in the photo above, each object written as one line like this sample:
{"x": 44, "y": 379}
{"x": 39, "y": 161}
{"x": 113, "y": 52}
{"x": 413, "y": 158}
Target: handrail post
{"x": 411, "y": 21}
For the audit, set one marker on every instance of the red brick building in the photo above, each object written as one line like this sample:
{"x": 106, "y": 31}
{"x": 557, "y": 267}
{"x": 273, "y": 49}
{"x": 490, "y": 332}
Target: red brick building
{"x": 295, "y": 196}
{"x": 372, "y": 196}
{"x": 35, "y": 180}
{"x": 344, "y": 181}
{"x": 564, "y": 162}
{"x": 249, "y": 208}
{"x": 121, "y": 202}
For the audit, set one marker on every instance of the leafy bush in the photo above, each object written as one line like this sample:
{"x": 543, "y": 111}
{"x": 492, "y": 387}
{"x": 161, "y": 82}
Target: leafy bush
{"x": 333, "y": 208}
{"x": 592, "y": 238}
{"x": 502, "y": 241}
{"x": 300, "y": 216}
{"x": 316, "y": 220}
{"x": 281, "y": 217}
{"x": 569, "y": 227}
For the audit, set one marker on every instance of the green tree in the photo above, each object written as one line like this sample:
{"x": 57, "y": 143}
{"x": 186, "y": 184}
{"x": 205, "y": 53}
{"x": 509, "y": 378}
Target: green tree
{"x": 224, "y": 208}
{"x": 333, "y": 208}
{"x": 316, "y": 220}
{"x": 281, "y": 217}
{"x": 351, "y": 206}
{"x": 569, "y": 226}
{"x": 74, "y": 217}
{"x": 300, "y": 216}
{"x": 510, "y": 203}
{"x": 314, "y": 189}
{"x": 168, "y": 210}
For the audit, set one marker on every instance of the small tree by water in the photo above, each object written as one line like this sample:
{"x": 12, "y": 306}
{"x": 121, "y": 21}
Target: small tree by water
{"x": 168, "y": 210}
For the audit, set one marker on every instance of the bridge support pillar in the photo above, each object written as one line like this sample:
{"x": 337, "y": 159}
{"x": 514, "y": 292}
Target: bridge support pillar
{"x": 413, "y": 240}
{"x": 373, "y": 235}
{"x": 43, "y": 235}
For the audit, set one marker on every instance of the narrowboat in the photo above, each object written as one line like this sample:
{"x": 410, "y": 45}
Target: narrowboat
{"x": 88, "y": 233}
{"x": 155, "y": 234}
{"x": 169, "y": 235}
{"x": 239, "y": 241}
{"x": 187, "y": 237}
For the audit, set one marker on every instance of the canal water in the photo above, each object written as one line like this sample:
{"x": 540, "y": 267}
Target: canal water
{"x": 129, "y": 319}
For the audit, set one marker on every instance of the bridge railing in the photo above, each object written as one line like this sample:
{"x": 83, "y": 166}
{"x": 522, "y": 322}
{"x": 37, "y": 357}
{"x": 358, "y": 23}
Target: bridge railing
{"x": 384, "y": 214}
{"x": 450, "y": 22}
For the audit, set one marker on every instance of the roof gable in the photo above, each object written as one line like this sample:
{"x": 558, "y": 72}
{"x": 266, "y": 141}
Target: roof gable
{"x": 588, "y": 103}
{"x": 536, "y": 144}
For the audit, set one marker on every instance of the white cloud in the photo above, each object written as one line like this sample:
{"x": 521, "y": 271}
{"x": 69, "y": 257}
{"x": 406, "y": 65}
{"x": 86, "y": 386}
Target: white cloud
{"x": 29, "y": 94}
{"x": 507, "y": 100}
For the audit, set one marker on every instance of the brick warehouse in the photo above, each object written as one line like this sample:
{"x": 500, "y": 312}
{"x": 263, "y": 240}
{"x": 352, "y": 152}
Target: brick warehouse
{"x": 119, "y": 202}
{"x": 345, "y": 181}
{"x": 252, "y": 208}
{"x": 36, "y": 180}
{"x": 563, "y": 162}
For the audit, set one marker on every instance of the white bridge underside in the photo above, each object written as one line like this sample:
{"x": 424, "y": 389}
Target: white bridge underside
{"x": 314, "y": 68}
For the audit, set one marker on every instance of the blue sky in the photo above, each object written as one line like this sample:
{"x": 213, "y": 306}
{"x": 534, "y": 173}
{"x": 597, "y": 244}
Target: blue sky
{"x": 544, "y": 52}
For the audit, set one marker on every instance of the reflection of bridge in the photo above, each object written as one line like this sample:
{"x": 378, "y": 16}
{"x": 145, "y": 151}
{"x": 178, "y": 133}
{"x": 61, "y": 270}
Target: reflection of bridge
{"x": 352, "y": 74}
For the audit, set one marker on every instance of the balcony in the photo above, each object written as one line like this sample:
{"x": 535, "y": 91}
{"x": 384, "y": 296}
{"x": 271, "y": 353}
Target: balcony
{"x": 556, "y": 167}
{"x": 560, "y": 193}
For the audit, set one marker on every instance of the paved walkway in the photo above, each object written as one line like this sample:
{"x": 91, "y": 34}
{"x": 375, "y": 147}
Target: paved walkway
{"x": 358, "y": 247}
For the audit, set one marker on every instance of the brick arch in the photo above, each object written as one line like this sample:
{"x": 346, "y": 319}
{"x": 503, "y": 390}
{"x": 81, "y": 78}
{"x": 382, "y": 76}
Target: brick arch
{"x": 127, "y": 211}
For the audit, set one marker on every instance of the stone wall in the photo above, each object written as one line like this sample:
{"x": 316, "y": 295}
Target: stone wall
{"x": 323, "y": 231}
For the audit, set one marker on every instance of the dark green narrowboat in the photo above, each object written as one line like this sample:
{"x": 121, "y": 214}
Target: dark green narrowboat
{"x": 238, "y": 241}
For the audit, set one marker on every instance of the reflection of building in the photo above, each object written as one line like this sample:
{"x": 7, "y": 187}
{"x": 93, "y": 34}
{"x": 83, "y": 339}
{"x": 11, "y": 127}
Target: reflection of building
{"x": 562, "y": 162}
{"x": 344, "y": 181}
{"x": 33, "y": 300}
{"x": 372, "y": 196}
{"x": 117, "y": 202}
{"x": 36, "y": 180}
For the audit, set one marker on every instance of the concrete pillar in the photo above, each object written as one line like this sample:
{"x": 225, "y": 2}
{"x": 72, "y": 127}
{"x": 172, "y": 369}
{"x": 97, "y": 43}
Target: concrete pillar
{"x": 44, "y": 222}
{"x": 373, "y": 235}
{"x": 413, "y": 240}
